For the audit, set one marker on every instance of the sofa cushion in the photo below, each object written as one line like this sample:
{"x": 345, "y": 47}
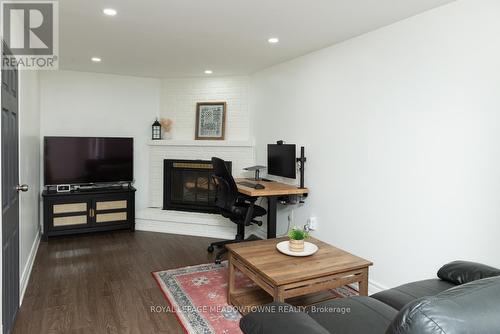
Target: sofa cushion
{"x": 353, "y": 315}
{"x": 469, "y": 308}
{"x": 277, "y": 318}
{"x": 400, "y": 296}
{"x": 461, "y": 272}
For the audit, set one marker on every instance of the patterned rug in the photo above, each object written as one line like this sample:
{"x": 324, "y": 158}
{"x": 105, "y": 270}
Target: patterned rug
{"x": 198, "y": 296}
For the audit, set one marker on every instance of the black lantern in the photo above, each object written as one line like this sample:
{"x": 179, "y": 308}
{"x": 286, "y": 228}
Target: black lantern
{"x": 156, "y": 130}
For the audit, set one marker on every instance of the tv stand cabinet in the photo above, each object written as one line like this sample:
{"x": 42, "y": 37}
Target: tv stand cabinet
{"x": 88, "y": 211}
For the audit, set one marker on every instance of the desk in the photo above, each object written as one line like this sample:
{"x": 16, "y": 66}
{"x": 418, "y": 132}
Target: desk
{"x": 272, "y": 191}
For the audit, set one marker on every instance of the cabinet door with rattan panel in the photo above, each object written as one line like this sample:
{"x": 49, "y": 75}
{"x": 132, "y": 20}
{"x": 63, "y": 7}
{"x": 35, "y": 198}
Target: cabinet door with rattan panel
{"x": 70, "y": 214}
{"x": 112, "y": 210}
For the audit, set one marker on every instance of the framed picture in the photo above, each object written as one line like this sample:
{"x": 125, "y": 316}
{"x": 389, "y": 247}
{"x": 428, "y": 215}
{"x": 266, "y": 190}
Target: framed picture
{"x": 210, "y": 120}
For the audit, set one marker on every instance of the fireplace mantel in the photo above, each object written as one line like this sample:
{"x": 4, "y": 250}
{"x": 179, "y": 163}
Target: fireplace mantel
{"x": 215, "y": 143}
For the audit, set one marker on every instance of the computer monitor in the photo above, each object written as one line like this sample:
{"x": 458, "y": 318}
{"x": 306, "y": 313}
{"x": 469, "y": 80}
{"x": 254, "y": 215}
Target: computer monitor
{"x": 281, "y": 160}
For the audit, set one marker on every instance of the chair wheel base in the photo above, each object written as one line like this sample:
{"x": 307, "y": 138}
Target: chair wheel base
{"x": 210, "y": 249}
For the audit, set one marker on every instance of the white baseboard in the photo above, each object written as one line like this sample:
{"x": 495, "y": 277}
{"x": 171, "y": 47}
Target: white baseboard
{"x": 208, "y": 231}
{"x": 374, "y": 287}
{"x": 186, "y": 223}
{"x": 258, "y": 231}
{"x": 29, "y": 267}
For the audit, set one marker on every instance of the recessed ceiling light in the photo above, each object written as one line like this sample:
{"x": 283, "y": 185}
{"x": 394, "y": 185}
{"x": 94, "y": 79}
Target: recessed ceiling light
{"x": 96, "y": 59}
{"x": 209, "y": 72}
{"x": 109, "y": 11}
{"x": 273, "y": 40}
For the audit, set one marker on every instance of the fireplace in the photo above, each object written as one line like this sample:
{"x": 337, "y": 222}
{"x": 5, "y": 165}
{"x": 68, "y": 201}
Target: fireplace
{"x": 188, "y": 185}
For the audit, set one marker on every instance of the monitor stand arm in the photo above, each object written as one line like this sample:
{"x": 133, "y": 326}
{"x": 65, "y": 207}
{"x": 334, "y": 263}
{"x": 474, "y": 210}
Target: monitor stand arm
{"x": 302, "y": 161}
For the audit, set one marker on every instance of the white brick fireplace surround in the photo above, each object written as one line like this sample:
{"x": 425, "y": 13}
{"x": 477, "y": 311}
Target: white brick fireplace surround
{"x": 242, "y": 155}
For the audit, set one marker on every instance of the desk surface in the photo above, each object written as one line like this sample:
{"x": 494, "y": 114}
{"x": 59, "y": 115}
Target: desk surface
{"x": 272, "y": 189}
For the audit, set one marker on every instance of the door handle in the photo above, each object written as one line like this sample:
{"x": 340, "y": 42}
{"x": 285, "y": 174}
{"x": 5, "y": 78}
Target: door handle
{"x": 22, "y": 187}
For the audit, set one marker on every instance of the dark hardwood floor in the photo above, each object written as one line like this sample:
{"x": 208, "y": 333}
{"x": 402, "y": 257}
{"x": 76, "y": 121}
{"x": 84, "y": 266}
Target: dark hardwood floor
{"x": 102, "y": 283}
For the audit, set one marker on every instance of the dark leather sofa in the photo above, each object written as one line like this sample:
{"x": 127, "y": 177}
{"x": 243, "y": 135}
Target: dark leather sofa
{"x": 465, "y": 298}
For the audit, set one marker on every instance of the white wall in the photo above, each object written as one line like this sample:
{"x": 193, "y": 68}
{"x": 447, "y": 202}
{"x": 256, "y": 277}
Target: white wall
{"x": 89, "y": 104}
{"x": 402, "y": 132}
{"x": 179, "y": 98}
{"x": 29, "y": 172}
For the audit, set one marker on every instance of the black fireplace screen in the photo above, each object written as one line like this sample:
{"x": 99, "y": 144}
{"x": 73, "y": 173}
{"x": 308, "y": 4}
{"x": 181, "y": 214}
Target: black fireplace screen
{"x": 188, "y": 185}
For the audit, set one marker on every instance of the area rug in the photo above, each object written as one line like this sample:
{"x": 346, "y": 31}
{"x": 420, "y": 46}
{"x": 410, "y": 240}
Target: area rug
{"x": 198, "y": 297}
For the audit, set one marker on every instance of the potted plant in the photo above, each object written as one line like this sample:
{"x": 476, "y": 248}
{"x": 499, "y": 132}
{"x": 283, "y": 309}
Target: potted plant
{"x": 297, "y": 237}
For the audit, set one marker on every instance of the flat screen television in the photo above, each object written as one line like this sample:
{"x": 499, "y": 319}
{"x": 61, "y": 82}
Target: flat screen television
{"x": 80, "y": 160}
{"x": 281, "y": 160}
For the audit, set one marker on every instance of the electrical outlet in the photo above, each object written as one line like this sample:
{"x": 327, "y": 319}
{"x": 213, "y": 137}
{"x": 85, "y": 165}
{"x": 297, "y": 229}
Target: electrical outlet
{"x": 312, "y": 222}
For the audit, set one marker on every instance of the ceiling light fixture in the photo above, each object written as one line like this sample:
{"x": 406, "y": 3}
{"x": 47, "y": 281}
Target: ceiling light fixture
{"x": 273, "y": 40}
{"x": 96, "y": 59}
{"x": 209, "y": 72}
{"x": 109, "y": 11}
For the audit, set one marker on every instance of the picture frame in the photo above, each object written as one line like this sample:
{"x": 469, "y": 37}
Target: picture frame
{"x": 210, "y": 120}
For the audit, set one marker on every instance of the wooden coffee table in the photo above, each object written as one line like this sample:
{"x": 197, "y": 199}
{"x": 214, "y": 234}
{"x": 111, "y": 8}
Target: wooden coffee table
{"x": 280, "y": 277}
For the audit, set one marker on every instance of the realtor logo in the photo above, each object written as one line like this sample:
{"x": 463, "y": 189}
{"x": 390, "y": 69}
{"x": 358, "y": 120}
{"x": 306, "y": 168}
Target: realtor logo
{"x": 30, "y": 31}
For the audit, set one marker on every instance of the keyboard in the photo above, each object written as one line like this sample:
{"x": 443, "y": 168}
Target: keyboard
{"x": 247, "y": 184}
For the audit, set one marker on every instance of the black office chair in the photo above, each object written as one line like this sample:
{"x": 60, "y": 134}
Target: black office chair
{"x": 240, "y": 209}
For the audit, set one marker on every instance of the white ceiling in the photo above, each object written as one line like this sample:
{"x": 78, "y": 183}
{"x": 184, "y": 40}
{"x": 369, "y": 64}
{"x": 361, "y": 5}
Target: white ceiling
{"x": 173, "y": 38}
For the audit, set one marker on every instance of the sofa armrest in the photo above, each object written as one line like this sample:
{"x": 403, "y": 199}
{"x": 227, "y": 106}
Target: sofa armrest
{"x": 467, "y": 308}
{"x": 461, "y": 272}
{"x": 277, "y": 318}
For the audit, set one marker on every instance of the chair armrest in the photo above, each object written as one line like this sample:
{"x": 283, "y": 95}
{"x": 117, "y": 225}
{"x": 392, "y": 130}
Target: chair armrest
{"x": 461, "y": 272}
{"x": 277, "y": 318}
{"x": 242, "y": 198}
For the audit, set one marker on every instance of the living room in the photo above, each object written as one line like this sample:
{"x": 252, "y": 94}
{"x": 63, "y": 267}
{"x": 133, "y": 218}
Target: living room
{"x": 396, "y": 106}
